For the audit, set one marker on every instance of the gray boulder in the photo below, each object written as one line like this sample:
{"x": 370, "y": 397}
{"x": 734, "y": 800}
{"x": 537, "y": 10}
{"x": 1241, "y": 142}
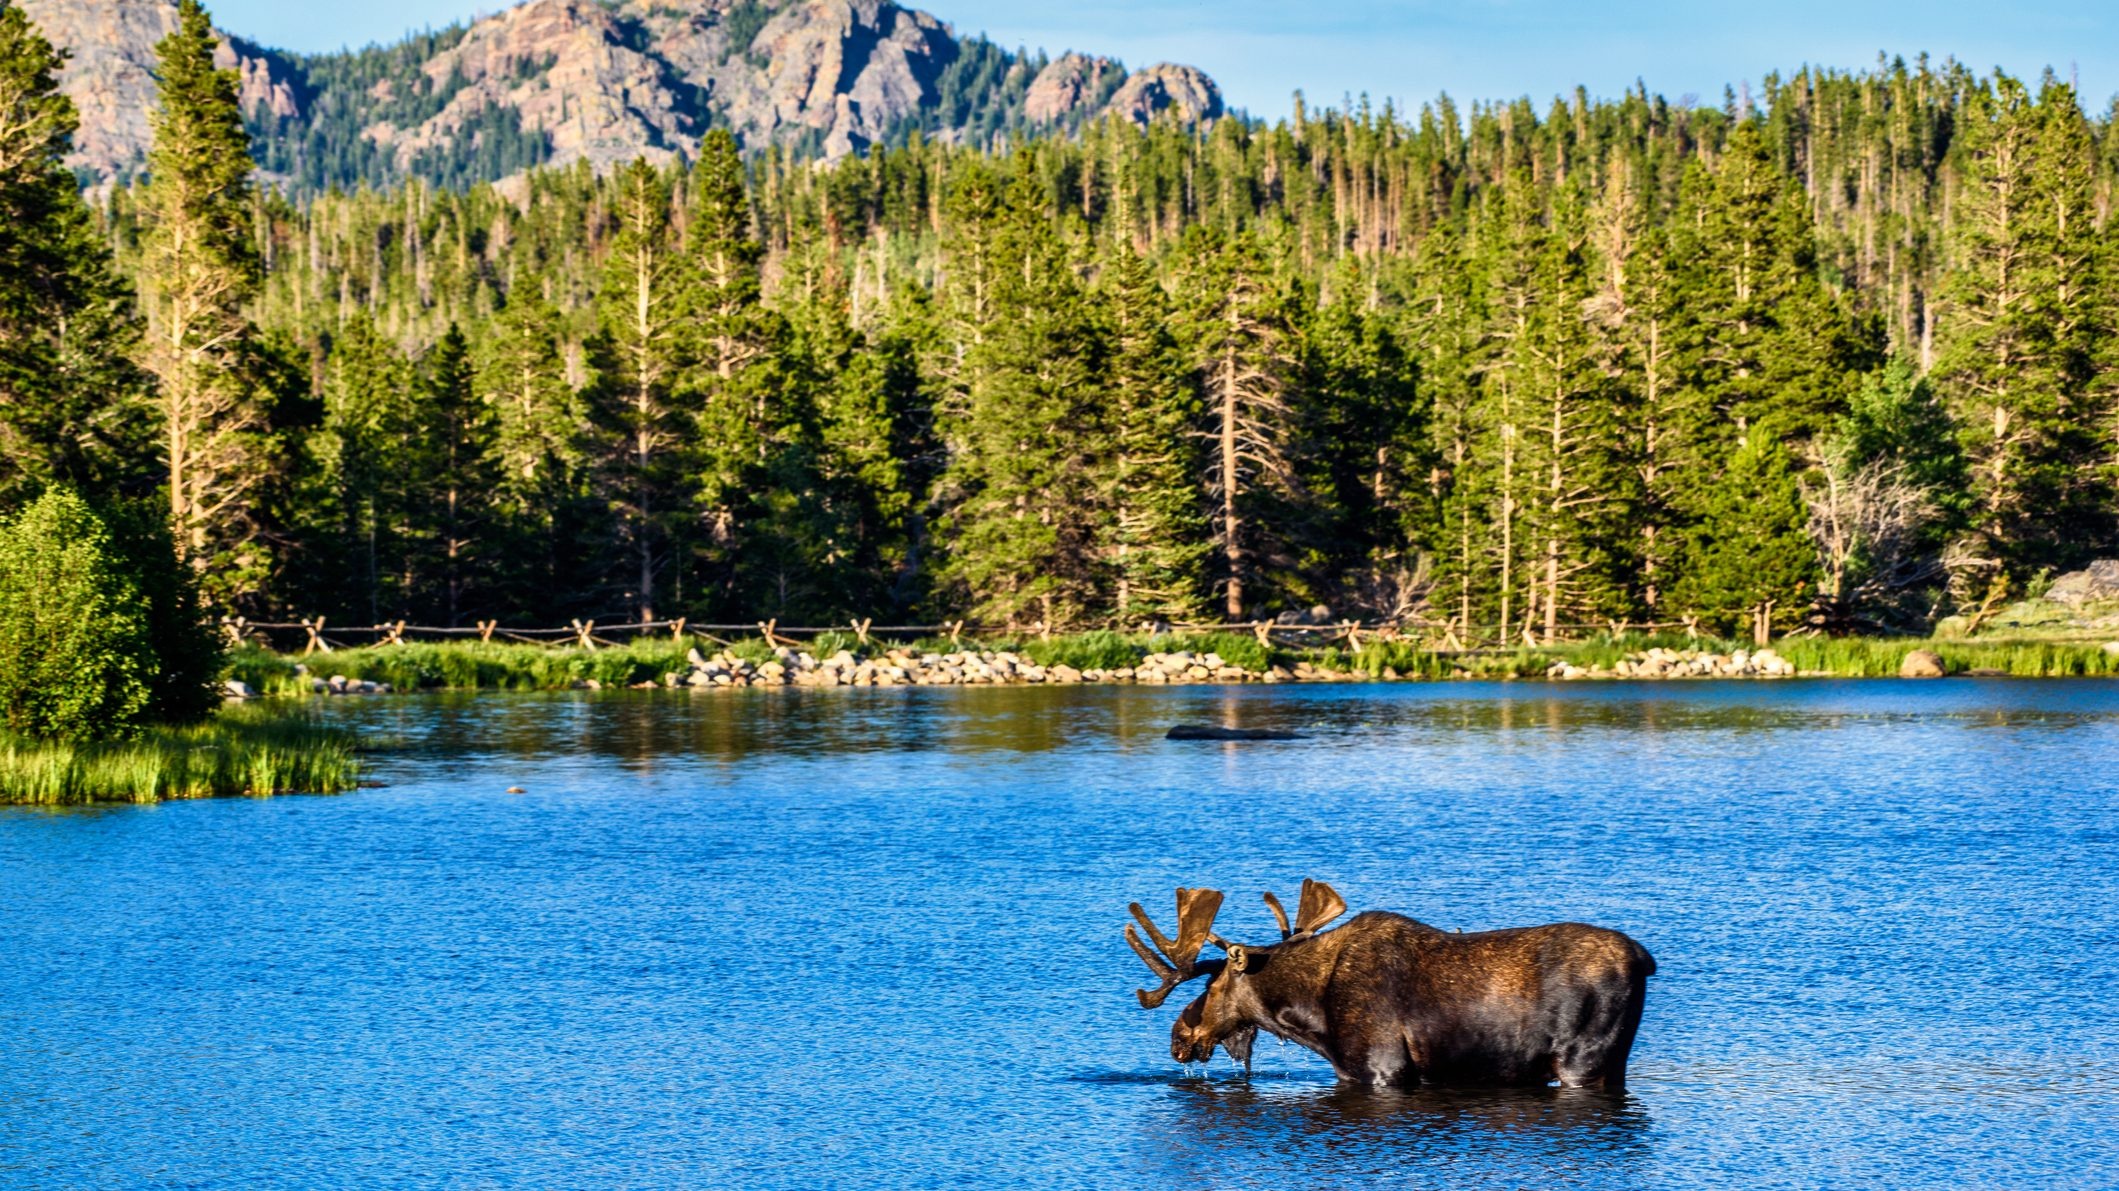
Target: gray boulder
{"x": 2097, "y": 581}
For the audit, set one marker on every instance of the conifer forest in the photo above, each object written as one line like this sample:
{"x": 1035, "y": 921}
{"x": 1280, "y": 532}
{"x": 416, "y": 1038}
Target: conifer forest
{"x": 1835, "y": 352}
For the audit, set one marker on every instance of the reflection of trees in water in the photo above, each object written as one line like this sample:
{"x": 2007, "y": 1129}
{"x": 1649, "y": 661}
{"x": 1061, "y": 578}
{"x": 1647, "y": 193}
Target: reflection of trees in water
{"x": 644, "y": 727}
{"x": 1269, "y": 1134}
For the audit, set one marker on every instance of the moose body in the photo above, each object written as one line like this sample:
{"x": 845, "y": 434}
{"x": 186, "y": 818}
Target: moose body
{"x": 1391, "y": 1001}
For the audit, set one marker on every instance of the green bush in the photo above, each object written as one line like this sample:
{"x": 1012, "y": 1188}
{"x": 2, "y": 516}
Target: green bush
{"x": 189, "y": 652}
{"x": 76, "y": 658}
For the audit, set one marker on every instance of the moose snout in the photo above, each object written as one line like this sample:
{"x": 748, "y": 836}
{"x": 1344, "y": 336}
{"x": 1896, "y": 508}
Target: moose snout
{"x": 1188, "y": 1047}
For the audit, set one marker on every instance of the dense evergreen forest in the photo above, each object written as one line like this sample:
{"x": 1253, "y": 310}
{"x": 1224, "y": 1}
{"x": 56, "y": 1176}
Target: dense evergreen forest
{"x": 1836, "y": 354}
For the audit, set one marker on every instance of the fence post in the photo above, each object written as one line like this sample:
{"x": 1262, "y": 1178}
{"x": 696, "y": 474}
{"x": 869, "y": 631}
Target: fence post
{"x": 583, "y": 634}
{"x": 1692, "y": 626}
{"x": 956, "y": 636}
{"x": 316, "y": 637}
{"x": 396, "y": 635}
{"x": 485, "y": 631}
{"x": 233, "y": 627}
{"x": 677, "y": 630}
{"x": 1263, "y": 630}
{"x": 765, "y": 629}
{"x": 860, "y": 630}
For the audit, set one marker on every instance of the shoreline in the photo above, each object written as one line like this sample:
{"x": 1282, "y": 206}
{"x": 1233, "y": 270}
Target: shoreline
{"x": 1110, "y": 659}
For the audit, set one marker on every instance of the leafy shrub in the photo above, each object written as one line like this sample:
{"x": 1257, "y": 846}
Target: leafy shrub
{"x": 188, "y": 649}
{"x": 76, "y": 659}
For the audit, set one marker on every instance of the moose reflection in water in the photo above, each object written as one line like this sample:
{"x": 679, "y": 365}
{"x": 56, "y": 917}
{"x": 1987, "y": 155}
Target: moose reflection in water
{"x": 1393, "y": 1002}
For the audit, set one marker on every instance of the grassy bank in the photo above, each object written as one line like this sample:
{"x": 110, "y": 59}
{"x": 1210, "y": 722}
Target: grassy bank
{"x": 241, "y": 751}
{"x": 462, "y": 666}
{"x": 472, "y": 666}
{"x": 515, "y": 667}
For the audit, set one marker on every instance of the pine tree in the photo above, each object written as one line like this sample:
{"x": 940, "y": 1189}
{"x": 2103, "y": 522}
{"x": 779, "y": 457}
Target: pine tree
{"x": 1369, "y": 455}
{"x": 201, "y": 269}
{"x": 371, "y": 457}
{"x": 1243, "y": 336}
{"x": 2017, "y": 325}
{"x": 643, "y": 311}
{"x": 70, "y": 398}
{"x": 460, "y": 479}
{"x": 1444, "y": 315}
{"x": 1509, "y": 251}
{"x": 537, "y": 450}
{"x": 1750, "y": 560}
{"x": 746, "y": 422}
{"x": 1579, "y": 491}
{"x": 1156, "y": 532}
{"x": 867, "y": 393}
{"x": 1022, "y": 532}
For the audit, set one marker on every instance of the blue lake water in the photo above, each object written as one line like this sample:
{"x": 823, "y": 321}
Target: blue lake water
{"x": 872, "y": 939}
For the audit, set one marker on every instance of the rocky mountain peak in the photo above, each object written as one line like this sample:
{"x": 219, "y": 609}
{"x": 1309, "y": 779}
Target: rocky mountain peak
{"x": 558, "y": 81}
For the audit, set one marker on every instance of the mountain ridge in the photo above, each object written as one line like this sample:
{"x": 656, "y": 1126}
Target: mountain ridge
{"x": 552, "y": 82}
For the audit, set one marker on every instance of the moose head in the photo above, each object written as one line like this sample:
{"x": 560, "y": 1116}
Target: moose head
{"x": 1226, "y": 1014}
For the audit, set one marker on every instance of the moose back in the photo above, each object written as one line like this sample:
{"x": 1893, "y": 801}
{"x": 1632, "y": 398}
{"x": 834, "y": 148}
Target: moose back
{"x": 1390, "y": 1001}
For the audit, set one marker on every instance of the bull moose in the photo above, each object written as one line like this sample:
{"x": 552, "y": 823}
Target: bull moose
{"x": 1393, "y": 1002}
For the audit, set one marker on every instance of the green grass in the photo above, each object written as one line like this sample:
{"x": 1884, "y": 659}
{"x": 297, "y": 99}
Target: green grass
{"x": 1857, "y": 657}
{"x": 1099, "y": 650}
{"x": 1237, "y": 649}
{"x": 242, "y": 751}
{"x": 517, "y": 667}
{"x": 470, "y": 665}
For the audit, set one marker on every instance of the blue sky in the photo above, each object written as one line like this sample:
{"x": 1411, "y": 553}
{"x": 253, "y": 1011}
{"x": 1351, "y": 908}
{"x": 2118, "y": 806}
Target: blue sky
{"x": 1261, "y": 51}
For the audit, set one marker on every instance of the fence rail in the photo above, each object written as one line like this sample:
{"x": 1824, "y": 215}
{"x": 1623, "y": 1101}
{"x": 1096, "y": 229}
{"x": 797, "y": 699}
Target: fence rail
{"x": 1442, "y": 637}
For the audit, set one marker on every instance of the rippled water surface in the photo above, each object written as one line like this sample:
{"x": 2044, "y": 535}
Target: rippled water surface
{"x": 871, "y": 939}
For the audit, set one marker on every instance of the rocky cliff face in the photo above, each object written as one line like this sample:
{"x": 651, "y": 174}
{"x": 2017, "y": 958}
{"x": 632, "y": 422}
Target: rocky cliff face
{"x": 598, "y": 81}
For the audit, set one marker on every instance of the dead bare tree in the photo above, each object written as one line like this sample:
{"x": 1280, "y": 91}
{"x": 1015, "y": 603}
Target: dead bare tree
{"x": 1868, "y": 521}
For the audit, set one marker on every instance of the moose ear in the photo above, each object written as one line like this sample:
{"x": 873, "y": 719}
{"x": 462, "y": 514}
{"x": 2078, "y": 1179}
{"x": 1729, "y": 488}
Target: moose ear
{"x": 1238, "y": 958}
{"x": 1320, "y": 904}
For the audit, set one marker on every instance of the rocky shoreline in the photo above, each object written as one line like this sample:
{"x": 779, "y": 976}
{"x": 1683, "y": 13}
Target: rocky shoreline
{"x": 887, "y": 666}
{"x": 1683, "y": 663}
{"x": 908, "y": 667}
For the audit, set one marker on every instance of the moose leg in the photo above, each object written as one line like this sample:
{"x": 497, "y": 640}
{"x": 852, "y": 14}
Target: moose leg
{"x": 1378, "y": 1059}
{"x": 1595, "y": 1054}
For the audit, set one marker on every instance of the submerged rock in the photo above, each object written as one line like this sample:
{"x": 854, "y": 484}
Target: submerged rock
{"x": 1207, "y": 732}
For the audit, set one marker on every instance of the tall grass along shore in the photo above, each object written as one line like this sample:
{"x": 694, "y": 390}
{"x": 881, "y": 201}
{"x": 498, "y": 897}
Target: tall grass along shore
{"x": 243, "y": 751}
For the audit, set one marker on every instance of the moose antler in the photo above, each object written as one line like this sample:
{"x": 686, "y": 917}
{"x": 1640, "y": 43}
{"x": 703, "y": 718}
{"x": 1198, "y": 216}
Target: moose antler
{"x": 1179, "y": 960}
{"x": 1320, "y": 904}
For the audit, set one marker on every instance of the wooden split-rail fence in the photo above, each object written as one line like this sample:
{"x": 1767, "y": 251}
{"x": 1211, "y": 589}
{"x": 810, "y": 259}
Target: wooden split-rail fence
{"x": 316, "y": 635}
